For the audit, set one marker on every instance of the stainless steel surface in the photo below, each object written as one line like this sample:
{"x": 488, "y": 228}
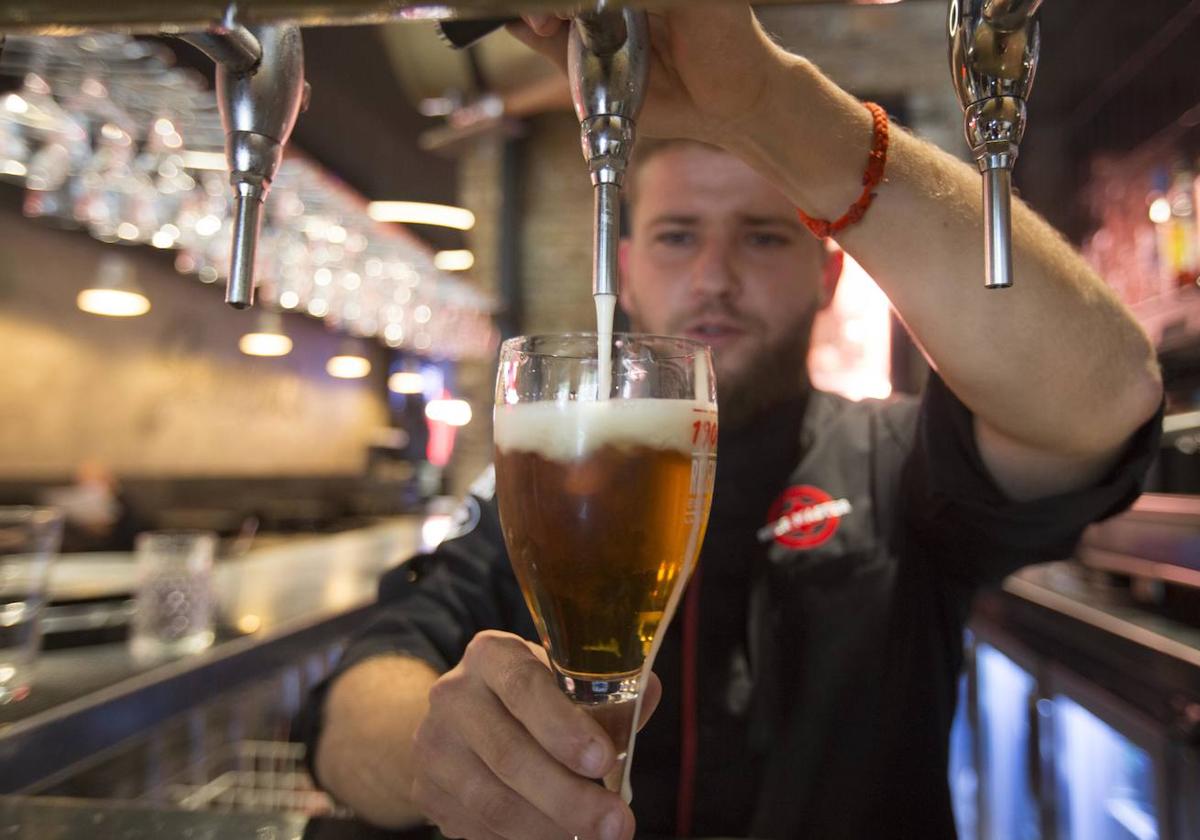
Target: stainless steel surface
{"x": 256, "y": 777}
{"x": 64, "y": 17}
{"x": 997, "y": 226}
{"x": 285, "y": 602}
{"x": 608, "y": 63}
{"x": 234, "y": 47}
{"x": 258, "y": 110}
{"x": 994, "y": 47}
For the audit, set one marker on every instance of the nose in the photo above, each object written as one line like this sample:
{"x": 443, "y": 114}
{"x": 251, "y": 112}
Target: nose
{"x": 714, "y": 271}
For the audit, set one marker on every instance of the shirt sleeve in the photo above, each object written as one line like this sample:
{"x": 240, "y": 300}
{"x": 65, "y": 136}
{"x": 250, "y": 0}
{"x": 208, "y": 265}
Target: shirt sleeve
{"x": 432, "y": 606}
{"x": 960, "y": 518}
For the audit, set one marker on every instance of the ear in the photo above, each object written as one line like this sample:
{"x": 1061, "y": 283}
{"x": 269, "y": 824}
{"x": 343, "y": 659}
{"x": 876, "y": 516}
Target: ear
{"x": 835, "y": 260}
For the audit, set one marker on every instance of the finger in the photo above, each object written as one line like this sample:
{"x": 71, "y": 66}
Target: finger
{"x": 447, "y": 813}
{"x": 552, "y": 45}
{"x": 651, "y": 695}
{"x": 525, "y": 686}
{"x": 528, "y": 773}
{"x": 544, "y": 25}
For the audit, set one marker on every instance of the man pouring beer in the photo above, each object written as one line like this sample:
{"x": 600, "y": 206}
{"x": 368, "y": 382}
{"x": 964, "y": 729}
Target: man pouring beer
{"x": 810, "y": 688}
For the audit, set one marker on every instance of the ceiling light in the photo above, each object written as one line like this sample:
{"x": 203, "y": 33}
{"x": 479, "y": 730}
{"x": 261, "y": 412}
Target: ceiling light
{"x": 418, "y": 213}
{"x": 15, "y": 104}
{"x": 450, "y": 412}
{"x": 268, "y": 339}
{"x": 453, "y": 260}
{"x": 406, "y": 382}
{"x": 115, "y": 292}
{"x": 349, "y": 363}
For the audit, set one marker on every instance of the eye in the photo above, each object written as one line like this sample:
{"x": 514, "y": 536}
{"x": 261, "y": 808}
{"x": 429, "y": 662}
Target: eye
{"x": 762, "y": 239}
{"x": 675, "y": 238}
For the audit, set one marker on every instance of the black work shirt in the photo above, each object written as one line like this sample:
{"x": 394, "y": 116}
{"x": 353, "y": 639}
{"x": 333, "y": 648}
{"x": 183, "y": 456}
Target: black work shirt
{"x": 844, "y": 547}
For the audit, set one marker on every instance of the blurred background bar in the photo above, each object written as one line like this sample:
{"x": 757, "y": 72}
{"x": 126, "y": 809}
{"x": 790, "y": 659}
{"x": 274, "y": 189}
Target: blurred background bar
{"x": 430, "y": 202}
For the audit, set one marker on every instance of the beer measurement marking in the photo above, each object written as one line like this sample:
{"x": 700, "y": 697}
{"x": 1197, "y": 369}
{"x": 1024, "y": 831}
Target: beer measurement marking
{"x": 704, "y": 431}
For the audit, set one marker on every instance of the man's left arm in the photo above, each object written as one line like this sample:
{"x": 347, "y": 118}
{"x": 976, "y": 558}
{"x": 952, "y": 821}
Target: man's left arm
{"x": 1055, "y": 370}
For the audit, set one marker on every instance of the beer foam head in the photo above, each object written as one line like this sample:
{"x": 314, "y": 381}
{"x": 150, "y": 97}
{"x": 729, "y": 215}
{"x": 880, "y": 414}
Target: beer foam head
{"x": 563, "y": 431}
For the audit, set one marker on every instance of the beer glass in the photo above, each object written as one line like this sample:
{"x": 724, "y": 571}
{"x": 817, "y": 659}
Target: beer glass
{"x": 604, "y": 485}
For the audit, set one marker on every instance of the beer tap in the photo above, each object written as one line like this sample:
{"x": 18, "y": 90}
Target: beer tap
{"x": 260, "y": 92}
{"x": 608, "y": 62}
{"x": 994, "y": 46}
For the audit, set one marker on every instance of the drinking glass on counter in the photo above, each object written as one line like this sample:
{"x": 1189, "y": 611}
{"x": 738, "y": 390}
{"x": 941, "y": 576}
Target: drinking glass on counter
{"x": 29, "y": 539}
{"x": 173, "y": 613}
{"x": 604, "y": 475}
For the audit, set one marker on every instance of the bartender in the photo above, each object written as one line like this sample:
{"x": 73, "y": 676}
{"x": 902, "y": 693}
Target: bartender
{"x": 809, "y": 689}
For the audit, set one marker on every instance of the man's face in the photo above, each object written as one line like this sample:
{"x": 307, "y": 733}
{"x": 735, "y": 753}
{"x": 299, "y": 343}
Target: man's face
{"x": 717, "y": 254}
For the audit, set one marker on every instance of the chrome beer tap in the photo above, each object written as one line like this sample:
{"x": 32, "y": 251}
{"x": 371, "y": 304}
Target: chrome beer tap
{"x": 994, "y": 46}
{"x": 260, "y": 92}
{"x": 608, "y": 63}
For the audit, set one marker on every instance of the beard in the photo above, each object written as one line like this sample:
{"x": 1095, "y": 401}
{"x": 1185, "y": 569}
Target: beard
{"x": 762, "y": 375}
{"x": 774, "y": 373}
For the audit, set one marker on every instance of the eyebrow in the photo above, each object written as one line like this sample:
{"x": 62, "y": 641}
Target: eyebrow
{"x": 745, "y": 219}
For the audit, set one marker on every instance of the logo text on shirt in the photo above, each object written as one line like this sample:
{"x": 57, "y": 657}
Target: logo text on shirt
{"x": 804, "y": 517}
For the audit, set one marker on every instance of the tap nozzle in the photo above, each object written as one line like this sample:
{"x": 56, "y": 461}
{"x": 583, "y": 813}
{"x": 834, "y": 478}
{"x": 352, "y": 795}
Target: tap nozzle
{"x": 608, "y": 64}
{"x": 259, "y": 106}
{"x": 994, "y": 48}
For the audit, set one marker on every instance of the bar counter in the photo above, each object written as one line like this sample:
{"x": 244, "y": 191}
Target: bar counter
{"x": 67, "y": 749}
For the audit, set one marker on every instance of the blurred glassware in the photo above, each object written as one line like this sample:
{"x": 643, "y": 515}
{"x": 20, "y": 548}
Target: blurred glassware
{"x": 106, "y": 134}
{"x": 173, "y": 613}
{"x": 29, "y": 540}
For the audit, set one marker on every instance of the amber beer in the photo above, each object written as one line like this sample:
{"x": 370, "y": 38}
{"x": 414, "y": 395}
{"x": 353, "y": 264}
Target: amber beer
{"x": 603, "y": 507}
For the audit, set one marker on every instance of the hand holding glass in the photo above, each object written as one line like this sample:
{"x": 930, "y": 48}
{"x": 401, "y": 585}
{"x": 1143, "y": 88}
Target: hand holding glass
{"x": 604, "y": 492}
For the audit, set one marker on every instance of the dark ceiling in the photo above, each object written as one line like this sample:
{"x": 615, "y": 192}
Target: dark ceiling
{"x": 1113, "y": 74}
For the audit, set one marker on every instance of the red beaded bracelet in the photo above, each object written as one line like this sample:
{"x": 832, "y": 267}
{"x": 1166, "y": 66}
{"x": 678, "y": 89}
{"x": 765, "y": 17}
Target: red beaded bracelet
{"x": 872, "y": 177}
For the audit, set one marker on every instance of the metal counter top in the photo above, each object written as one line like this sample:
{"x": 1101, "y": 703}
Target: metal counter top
{"x": 50, "y": 818}
{"x": 294, "y": 596}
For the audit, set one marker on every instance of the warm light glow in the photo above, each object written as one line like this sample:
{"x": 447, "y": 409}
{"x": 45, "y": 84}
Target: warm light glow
{"x": 851, "y": 345}
{"x": 173, "y": 140}
{"x": 450, "y": 412}
{"x": 127, "y": 230}
{"x": 162, "y": 239}
{"x": 265, "y": 344}
{"x": 453, "y": 260}
{"x": 1160, "y": 211}
{"x": 249, "y": 623}
{"x": 208, "y": 225}
{"x": 15, "y": 104}
{"x": 434, "y": 529}
{"x": 13, "y": 167}
{"x": 348, "y": 367}
{"x": 113, "y": 302}
{"x": 422, "y": 314}
{"x": 418, "y": 213}
{"x": 289, "y": 299}
{"x": 204, "y": 160}
{"x": 163, "y": 127}
{"x": 406, "y": 382}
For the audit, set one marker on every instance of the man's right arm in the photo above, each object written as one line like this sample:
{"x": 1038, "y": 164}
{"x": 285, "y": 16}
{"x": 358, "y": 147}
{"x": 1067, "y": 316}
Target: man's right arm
{"x": 364, "y": 755}
{"x": 489, "y": 748}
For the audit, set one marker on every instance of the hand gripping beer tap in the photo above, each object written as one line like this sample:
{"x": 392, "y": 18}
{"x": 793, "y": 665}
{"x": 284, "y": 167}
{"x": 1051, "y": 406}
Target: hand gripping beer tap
{"x": 260, "y": 92}
{"x": 994, "y": 47}
{"x": 608, "y": 62}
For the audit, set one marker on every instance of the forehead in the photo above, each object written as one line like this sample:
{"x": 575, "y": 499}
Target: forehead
{"x": 707, "y": 183}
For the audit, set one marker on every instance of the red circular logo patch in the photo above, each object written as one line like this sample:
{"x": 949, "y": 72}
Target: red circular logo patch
{"x": 804, "y": 517}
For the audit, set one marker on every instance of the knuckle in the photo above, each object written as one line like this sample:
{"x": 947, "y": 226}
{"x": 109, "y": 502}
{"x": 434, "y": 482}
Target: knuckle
{"x": 522, "y": 679}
